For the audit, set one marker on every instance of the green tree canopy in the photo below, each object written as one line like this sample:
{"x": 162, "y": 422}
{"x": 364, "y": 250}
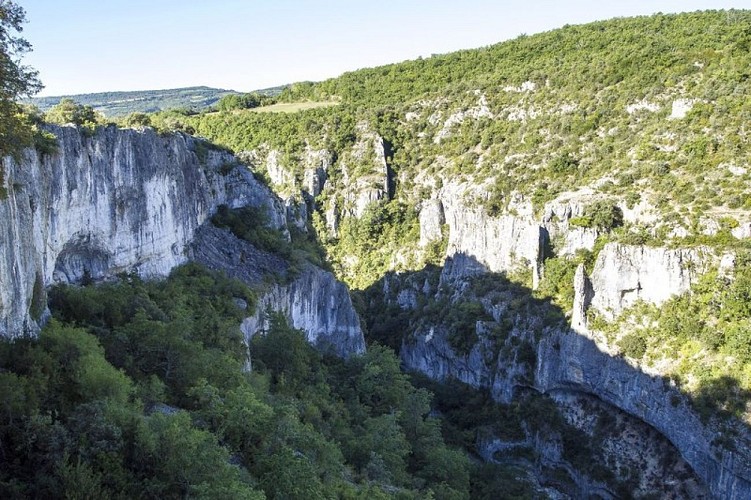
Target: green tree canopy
{"x": 243, "y": 101}
{"x": 69, "y": 111}
{"x": 138, "y": 120}
{"x": 16, "y": 80}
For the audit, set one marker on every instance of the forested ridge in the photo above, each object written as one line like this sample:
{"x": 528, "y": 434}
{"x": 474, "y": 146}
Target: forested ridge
{"x": 545, "y": 113}
{"x": 581, "y": 108}
{"x": 644, "y": 114}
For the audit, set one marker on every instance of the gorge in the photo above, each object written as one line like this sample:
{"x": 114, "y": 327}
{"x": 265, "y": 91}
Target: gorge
{"x": 571, "y": 246}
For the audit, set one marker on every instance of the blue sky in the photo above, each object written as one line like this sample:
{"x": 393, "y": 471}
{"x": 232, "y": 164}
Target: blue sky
{"x": 83, "y": 46}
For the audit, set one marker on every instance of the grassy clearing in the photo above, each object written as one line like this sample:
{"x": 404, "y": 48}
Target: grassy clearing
{"x": 292, "y": 107}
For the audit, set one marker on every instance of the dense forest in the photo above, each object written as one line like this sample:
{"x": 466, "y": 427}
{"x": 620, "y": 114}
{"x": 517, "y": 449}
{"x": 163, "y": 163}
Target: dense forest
{"x": 137, "y": 389}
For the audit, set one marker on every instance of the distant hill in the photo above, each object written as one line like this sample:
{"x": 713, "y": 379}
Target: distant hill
{"x": 115, "y": 104}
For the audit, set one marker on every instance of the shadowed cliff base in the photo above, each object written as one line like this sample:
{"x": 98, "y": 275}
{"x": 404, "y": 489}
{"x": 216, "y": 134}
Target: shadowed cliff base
{"x": 462, "y": 323}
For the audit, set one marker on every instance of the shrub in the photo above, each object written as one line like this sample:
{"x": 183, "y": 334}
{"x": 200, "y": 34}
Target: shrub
{"x": 138, "y": 120}
{"x": 45, "y": 142}
{"x": 602, "y": 214}
{"x": 251, "y": 224}
{"x": 462, "y": 323}
{"x": 69, "y": 111}
{"x": 633, "y": 345}
{"x": 563, "y": 164}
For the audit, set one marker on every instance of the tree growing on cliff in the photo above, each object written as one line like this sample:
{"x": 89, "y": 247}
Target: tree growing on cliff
{"x": 69, "y": 111}
{"x": 16, "y": 80}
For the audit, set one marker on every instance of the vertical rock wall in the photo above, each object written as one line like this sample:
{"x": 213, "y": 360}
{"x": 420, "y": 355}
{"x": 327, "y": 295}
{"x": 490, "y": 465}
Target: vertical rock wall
{"x": 120, "y": 200}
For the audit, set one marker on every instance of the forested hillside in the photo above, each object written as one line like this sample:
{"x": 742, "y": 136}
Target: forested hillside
{"x": 640, "y": 123}
{"x": 645, "y": 108}
{"x": 627, "y": 135}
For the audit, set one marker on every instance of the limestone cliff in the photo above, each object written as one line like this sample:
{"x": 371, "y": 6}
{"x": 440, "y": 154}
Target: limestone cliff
{"x": 135, "y": 201}
{"x": 481, "y": 243}
{"x": 624, "y": 274}
{"x": 120, "y": 200}
{"x": 570, "y": 361}
{"x": 318, "y": 304}
{"x": 514, "y": 240}
{"x": 499, "y": 243}
{"x": 312, "y": 300}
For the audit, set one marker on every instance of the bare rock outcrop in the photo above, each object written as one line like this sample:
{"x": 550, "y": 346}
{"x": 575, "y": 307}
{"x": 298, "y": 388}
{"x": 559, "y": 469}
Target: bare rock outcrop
{"x": 316, "y": 303}
{"x": 625, "y": 274}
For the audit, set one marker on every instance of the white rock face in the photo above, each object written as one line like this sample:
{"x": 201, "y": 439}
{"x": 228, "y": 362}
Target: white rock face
{"x": 736, "y": 170}
{"x": 318, "y": 304}
{"x": 680, "y": 108}
{"x": 624, "y": 274}
{"x": 571, "y": 362}
{"x": 277, "y": 173}
{"x": 478, "y": 111}
{"x": 317, "y": 163}
{"x": 313, "y": 163}
{"x": 742, "y": 231}
{"x": 499, "y": 243}
{"x": 479, "y": 242}
{"x": 521, "y": 114}
{"x": 582, "y": 298}
{"x": 567, "y": 238}
{"x": 431, "y": 220}
{"x": 331, "y": 214}
{"x": 576, "y": 238}
{"x": 365, "y": 174}
{"x": 122, "y": 200}
{"x": 642, "y": 105}
{"x": 365, "y": 194}
{"x": 527, "y": 86}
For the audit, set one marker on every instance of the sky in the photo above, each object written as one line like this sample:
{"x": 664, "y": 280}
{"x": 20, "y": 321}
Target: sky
{"x": 85, "y": 46}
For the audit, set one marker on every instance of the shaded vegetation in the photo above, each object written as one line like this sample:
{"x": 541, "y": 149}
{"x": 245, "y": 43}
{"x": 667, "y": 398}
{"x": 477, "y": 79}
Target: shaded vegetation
{"x": 251, "y": 224}
{"x": 136, "y": 389}
{"x": 529, "y": 119}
